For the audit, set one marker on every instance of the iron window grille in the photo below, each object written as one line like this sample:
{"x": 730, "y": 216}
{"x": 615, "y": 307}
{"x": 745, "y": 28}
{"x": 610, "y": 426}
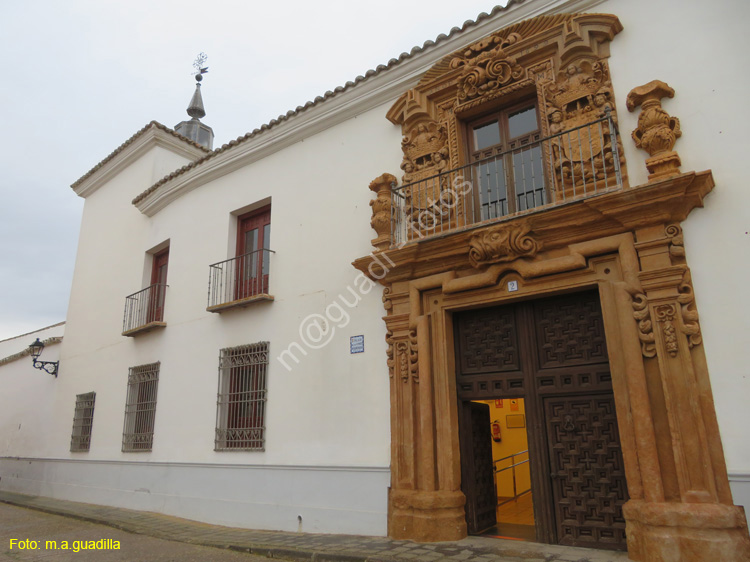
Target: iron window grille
{"x": 140, "y": 408}
{"x": 83, "y": 421}
{"x": 241, "y": 399}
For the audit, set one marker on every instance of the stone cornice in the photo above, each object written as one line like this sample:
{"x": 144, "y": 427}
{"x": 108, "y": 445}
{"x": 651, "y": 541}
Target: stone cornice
{"x": 148, "y": 138}
{"x": 379, "y": 89}
{"x": 616, "y": 212}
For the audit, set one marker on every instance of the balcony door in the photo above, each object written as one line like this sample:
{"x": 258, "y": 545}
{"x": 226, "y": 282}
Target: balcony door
{"x": 507, "y": 170}
{"x": 253, "y": 238}
{"x": 157, "y": 294}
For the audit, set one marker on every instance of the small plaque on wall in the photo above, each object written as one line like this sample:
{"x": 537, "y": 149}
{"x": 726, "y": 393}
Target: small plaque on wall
{"x": 515, "y": 421}
{"x": 357, "y": 344}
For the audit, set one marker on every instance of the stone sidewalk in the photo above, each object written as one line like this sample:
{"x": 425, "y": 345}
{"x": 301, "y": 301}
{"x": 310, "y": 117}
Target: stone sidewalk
{"x": 305, "y": 546}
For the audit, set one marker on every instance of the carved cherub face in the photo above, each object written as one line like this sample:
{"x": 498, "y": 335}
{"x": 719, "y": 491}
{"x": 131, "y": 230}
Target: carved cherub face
{"x": 600, "y": 99}
{"x": 571, "y": 70}
{"x": 555, "y": 117}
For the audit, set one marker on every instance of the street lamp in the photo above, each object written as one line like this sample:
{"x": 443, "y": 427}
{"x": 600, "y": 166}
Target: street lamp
{"x": 35, "y": 349}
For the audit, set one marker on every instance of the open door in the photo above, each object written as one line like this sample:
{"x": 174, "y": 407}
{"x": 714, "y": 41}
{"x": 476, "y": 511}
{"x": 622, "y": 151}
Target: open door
{"x": 477, "y": 470}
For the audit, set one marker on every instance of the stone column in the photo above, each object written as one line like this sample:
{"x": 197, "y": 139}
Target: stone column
{"x": 696, "y": 521}
{"x": 425, "y": 502}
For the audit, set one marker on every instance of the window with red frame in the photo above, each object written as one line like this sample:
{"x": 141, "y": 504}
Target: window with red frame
{"x": 253, "y": 243}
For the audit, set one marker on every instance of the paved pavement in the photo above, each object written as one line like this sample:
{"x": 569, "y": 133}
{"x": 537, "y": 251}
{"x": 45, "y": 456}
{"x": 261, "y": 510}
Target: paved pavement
{"x": 274, "y": 544}
{"x": 51, "y": 531}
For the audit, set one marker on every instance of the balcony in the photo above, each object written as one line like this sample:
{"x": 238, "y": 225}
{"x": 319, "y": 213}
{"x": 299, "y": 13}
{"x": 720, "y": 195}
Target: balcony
{"x": 144, "y": 310}
{"x": 239, "y": 281}
{"x": 564, "y": 167}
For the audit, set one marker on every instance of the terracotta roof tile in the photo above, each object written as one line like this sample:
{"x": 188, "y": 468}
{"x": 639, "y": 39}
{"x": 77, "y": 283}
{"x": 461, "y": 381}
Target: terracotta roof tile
{"x": 122, "y": 147}
{"x": 329, "y": 94}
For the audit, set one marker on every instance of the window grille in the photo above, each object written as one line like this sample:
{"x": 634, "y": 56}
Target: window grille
{"x": 83, "y": 420}
{"x": 140, "y": 408}
{"x": 241, "y": 399}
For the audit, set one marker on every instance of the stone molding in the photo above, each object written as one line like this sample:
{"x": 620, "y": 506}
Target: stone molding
{"x": 502, "y": 243}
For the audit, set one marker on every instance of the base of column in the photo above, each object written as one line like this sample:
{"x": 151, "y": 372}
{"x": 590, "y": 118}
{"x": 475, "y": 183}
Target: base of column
{"x": 427, "y": 516}
{"x": 686, "y": 532}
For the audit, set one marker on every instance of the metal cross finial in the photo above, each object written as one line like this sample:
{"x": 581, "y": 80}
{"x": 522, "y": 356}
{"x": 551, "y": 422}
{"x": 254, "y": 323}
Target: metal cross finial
{"x": 200, "y": 70}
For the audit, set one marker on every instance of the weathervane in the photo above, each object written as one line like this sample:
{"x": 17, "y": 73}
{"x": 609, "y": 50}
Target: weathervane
{"x": 200, "y": 70}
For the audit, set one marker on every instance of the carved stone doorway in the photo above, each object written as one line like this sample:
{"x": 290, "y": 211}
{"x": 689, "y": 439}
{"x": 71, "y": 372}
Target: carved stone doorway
{"x": 552, "y": 353}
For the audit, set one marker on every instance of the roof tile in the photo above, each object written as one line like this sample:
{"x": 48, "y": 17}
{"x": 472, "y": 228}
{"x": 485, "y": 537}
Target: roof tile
{"x": 122, "y": 147}
{"x": 318, "y": 99}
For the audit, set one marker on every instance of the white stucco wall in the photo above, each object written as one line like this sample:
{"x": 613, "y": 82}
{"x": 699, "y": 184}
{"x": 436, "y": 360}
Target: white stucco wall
{"x": 328, "y": 409}
{"x": 326, "y": 418}
{"x": 27, "y": 396}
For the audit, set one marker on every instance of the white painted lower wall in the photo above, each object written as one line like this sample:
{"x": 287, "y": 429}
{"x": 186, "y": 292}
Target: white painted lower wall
{"x": 350, "y": 500}
{"x": 739, "y": 482}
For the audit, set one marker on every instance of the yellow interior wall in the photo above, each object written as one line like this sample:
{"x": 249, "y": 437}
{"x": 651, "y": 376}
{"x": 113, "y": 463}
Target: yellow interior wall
{"x": 514, "y": 440}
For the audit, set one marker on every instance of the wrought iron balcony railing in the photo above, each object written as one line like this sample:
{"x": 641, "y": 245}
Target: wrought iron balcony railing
{"x": 239, "y": 281}
{"x": 144, "y": 310}
{"x": 563, "y": 167}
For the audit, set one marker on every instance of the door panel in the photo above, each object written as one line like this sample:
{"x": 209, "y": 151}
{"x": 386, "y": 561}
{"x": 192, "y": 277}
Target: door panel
{"x": 552, "y": 353}
{"x": 158, "y": 291}
{"x": 570, "y": 331}
{"x": 253, "y": 236}
{"x": 477, "y": 467}
{"x": 587, "y": 473}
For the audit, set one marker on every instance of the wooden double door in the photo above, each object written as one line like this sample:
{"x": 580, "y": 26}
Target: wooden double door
{"x": 552, "y": 353}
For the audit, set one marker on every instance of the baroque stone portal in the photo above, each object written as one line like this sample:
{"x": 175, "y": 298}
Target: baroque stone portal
{"x": 626, "y": 243}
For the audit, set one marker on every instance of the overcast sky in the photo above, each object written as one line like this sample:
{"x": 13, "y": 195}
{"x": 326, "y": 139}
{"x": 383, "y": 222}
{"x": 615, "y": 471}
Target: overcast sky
{"x": 81, "y": 76}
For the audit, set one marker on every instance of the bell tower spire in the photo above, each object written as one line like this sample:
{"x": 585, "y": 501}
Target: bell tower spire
{"x": 194, "y": 129}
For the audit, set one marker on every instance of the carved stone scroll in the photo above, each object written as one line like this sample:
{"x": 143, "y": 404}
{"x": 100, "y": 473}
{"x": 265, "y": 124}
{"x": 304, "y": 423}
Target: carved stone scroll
{"x": 690, "y": 325}
{"x": 486, "y": 67}
{"x": 502, "y": 243}
{"x": 387, "y": 304}
{"x": 677, "y": 243}
{"x": 657, "y": 131}
{"x": 402, "y": 353}
{"x": 404, "y": 357}
{"x": 413, "y": 356}
{"x": 389, "y": 352}
{"x": 665, "y": 315}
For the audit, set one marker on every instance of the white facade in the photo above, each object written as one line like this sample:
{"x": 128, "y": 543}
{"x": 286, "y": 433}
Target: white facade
{"x": 29, "y": 394}
{"x": 325, "y": 467}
